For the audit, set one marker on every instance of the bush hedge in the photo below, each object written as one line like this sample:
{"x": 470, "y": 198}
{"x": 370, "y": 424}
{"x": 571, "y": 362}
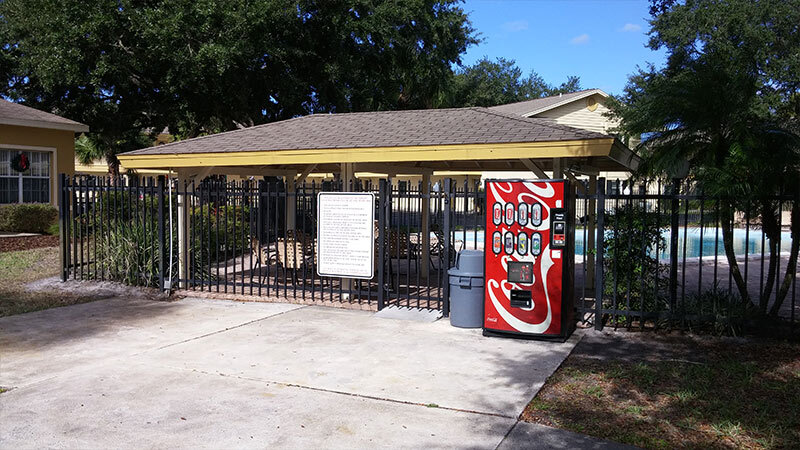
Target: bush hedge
{"x": 27, "y": 217}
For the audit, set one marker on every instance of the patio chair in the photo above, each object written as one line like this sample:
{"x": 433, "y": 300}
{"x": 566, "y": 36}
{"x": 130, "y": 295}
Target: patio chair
{"x": 261, "y": 256}
{"x": 297, "y": 249}
{"x": 437, "y": 249}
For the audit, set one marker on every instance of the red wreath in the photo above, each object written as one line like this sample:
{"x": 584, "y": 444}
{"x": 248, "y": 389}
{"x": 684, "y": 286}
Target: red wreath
{"x": 20, "y": 163}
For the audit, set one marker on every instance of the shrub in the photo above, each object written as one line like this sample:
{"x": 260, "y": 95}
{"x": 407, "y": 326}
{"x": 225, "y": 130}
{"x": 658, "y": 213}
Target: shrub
{"x": 53, "y": 229}
{"x": 27, "y": 217}
{"x": 130, "y": 254}
{"x": 630, "y": 263}
{"x": 211, "y": 225}
{"x": 718, "y": 311}
{"x": 118, "y": 206}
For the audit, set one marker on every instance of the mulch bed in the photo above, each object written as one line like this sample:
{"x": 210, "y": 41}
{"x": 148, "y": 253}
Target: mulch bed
{"x": 13, "y": 244}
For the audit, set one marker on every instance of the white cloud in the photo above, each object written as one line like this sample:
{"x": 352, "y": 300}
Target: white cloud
{"x": 515, "y": 26}
{"x": 581, "y": 39}
{"x": 630, "y": 28}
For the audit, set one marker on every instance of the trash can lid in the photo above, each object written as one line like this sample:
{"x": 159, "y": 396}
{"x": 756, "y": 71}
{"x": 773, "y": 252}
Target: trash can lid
{"x": 469, "y": 263}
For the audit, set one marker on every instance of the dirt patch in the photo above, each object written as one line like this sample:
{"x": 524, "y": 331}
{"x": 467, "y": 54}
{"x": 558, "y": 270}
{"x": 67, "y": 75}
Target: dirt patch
{"x": 686, "y": 392}
{"x": 31, "y": 283}
{"x": 17, "y": 243}
{"x": 96, "y": 289}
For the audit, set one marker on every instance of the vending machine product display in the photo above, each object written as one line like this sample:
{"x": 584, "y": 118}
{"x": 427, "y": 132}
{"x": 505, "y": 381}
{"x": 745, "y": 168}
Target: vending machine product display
{"x": 529, "y": 270}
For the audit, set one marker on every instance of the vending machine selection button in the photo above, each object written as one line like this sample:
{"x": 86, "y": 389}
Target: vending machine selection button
{"x": 509, "y": 242}
{"x": 536, "y": 244}
{"x": 497, "y": 243}
{"x": 497, "y": 213}
{"x": 522, "y": 214}
{"x": 522, "y": 244}
{"x": 510, "y": 210}
{"x": 536, "y": 214}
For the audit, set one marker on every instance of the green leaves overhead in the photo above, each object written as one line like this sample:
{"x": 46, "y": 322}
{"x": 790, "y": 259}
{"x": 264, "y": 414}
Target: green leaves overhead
{"x": 726, "y": 98}
{"x": 489, "y": 83}
{"x": 210, "y": 65}
{"x": 724, "y": 111}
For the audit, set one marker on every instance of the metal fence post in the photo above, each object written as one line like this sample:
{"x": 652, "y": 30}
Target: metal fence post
{"x": 446, "y": 256}
{"x": 673, "y": 246}
{"x": 161, "y": 233}
{"x": 381, "y": 242}
{"x": 599, "y": 281}
{"x": 62, "y": 226}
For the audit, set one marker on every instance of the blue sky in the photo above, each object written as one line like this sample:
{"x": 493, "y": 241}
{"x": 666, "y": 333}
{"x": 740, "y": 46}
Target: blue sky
{"x": 602, "y": 42}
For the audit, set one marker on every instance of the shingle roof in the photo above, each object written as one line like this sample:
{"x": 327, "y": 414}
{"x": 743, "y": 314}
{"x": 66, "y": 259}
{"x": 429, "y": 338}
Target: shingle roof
{"x": 15, "y": 114}
{"x": 380, "y": 129}
{"x": 539, "y": 105}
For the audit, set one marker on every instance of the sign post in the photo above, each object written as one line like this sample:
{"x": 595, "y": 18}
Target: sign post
{"x": 346, "y": 234}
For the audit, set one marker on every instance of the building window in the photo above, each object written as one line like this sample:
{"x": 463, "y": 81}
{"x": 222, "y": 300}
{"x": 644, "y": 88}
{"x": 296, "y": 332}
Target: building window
{"x": 31, "y": 186}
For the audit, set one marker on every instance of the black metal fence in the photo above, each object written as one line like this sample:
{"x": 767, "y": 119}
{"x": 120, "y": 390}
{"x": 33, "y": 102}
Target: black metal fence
{"x": 255, "y": 237}
{"x": 665, "y": 255}
{"x": 649, "y": 255}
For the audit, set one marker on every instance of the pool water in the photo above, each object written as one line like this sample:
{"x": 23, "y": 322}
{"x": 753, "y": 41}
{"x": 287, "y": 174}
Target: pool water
{"x": 711, "y": 241}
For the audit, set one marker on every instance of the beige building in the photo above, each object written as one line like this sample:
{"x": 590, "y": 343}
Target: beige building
{"x": 48, "y": 143}
{"x": 583, "y": 109}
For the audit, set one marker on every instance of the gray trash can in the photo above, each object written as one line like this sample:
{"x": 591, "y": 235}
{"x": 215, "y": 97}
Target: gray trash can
{"x": 466, "y": 290}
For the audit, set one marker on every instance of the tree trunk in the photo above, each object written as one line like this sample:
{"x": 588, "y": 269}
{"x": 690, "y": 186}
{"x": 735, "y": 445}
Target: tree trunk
{"x": 726, "y": 221}
{"x": 769, "y": 224}
{"x": 113, "y": 167}
{"x": 791, "y": 267}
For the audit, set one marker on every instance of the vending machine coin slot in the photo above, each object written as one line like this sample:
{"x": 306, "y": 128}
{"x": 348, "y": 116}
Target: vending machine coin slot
{"x": 520, "y": 299}
{"x": 558, "y": 228}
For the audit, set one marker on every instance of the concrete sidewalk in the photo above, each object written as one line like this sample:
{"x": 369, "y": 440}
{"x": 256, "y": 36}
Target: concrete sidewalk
{"x": 205, "y": 373}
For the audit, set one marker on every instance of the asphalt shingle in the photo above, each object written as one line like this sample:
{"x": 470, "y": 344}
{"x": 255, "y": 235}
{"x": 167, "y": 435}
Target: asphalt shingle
{"x": 537, "y": 105}
{"x": 12, "y": 113}
{"x": 380, "y": 129}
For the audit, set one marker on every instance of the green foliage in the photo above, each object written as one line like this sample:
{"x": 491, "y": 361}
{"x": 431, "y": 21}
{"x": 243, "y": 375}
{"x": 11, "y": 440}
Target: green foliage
{"x": 86, "y": 150}
{"x": 723, "y": 112}
{"x": 488, "y": 83}
{"x": 212, "y": 225}
{"x": 130, "y": 254}
{"x": 27, "y": 217}
{"x": 630, "y": 259}
{"x": 53, "y": 229}
{"x": 722, "y": 313}
{"x": 201, "y": 67}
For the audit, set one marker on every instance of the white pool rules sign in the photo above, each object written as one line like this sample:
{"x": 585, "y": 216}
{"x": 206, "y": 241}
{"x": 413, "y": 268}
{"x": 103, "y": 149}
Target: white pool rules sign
{"x": 346, "y": 234}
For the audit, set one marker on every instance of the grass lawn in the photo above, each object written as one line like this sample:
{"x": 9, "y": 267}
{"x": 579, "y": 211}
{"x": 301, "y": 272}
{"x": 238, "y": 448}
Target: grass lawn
{"x": 743, "y": 394}
{"x": 21, "y": 267}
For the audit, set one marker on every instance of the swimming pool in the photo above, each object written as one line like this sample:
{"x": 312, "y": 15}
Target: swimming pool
{"x": 743, "y": 241}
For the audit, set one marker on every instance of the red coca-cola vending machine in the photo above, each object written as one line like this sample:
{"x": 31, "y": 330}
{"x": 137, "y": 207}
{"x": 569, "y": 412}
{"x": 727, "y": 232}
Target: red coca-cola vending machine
{"x": 530, "y": 256}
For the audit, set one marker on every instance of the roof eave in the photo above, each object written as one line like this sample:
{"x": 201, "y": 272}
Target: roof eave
{"x": 624, "y": 156}
{"x": 565, "y": 102}
{"x": 484, "y": 151}
{"x": 74, "y": 127}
